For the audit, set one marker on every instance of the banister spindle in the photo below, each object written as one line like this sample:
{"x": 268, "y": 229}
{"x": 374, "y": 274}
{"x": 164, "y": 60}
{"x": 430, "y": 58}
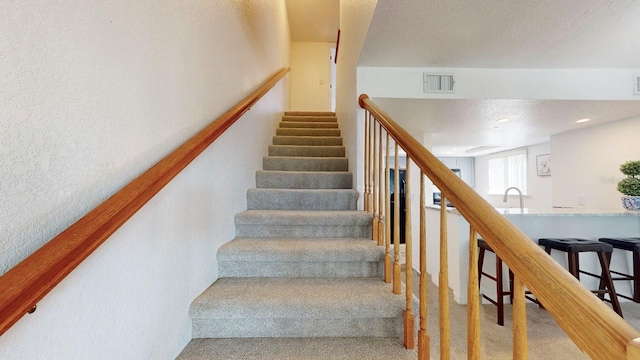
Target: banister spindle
{"x": 473, "y": 299}
{"x": 423, "y": 336}
{"x": 374, "y": 192}
{"x": 366, "y": 161}
{"x": 371, "y": 160}
{"x": 409, "y": 317}
{"x": 396, "y": 223}
{"x": 443, "y": 284}
{"x": 381, "y": 214}
{"x": 519, "y": 320}
{"x": 387, "y": 211}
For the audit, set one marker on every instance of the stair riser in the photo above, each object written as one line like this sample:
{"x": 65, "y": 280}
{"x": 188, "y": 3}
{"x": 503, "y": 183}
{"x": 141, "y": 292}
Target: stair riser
{"x": 297, "y": 327}
{"x": 303, "y": 231}
{"x": 308, "y": 124}
{"x": 308, "y": 140}
{"x": 278, "y": 163}
{"x": 291, "y": 180}
{"x": 307, "y": 132}
{"x": 291, "y": 269}
{"x": 303, "y": 118}
{"x": 305, "y": 200}
{"x": 309, "y": 113}
{"x": 307, "y": 151}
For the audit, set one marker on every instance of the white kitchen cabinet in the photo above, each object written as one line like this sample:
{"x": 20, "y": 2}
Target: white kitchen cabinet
{"x": 450, "y": 162}
{"x": 466, "y": 165}
{"x": 468, "y": 170}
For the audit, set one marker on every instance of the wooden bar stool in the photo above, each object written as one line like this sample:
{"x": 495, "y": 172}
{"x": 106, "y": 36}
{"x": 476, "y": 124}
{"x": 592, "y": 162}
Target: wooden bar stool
{"x": 573, "y": 247}
{"x": 633, "y": 245}
{"x": 500, "y": 293}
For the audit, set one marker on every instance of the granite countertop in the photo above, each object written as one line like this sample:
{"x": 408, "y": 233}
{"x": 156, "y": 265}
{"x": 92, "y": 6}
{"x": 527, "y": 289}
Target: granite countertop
{"x": 553, "y": 211}
{"x": 567, "y": 212}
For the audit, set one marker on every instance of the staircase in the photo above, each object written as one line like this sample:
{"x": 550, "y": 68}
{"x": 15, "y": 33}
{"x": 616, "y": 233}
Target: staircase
{"x": 302, "y": 279}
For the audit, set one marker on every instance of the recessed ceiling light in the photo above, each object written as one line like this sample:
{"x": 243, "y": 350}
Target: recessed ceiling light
{"x": 504, "y": 120}
{"x": 582, "y": 121}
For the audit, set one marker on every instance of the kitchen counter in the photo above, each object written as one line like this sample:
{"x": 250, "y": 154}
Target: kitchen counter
{"x": 553, "y": 211}
{"x": 535, "y": 223}
{"x": 567, "y": 212}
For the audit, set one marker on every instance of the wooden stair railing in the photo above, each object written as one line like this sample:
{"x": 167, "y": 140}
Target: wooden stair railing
{"x": 592, "y": 326}
{"x": 27, "y": 283}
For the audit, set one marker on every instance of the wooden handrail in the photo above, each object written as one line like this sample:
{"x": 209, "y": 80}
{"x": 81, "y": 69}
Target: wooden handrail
{"x": 589, "y": 322}
{"x": 28, "y": 282}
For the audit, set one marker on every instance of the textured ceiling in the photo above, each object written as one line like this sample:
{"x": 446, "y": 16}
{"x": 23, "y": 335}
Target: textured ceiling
{"x": 468, "y": 124}
{"x": 502, "y": 35}
{"x": 313, "y": 20}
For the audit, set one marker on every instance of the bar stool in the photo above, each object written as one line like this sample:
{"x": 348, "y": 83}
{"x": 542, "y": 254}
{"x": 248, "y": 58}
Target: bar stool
{"x": 633, "y": 245}
{"x": 500, "y": 293}
{"x": 573, "y": 247}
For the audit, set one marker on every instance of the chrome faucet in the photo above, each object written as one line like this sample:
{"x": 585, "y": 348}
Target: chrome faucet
{"x": 519, "y": 192}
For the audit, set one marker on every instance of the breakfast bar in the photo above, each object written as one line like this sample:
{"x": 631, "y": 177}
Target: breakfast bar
{"x": 591, "y": 224}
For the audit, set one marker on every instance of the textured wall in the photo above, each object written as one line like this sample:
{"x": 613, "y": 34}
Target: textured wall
{"x": 355, "y": 17}
{"x": 586, "y": 164}
{"x": 95, "y": 92}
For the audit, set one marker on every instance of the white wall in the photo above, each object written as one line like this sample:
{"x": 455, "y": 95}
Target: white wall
{"x": 586, "y": 163}
{"x": 93, "y": 94}
{"x": 310, "y": 76}
{"x": 355, "y": 17}
{"x": 552, "y": 84}
{"x": 539, "y": 187}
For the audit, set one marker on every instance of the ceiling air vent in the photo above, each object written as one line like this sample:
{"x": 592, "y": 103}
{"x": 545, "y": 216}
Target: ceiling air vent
{"x": 438, "y": 83}
{"x": 636, "y": 85}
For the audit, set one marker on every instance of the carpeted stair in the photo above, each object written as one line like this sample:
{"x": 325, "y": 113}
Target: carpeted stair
{"x": 302, "y": 265}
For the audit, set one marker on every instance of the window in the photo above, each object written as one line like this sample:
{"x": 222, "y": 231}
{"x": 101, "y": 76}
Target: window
{"x": 507, "y": 170}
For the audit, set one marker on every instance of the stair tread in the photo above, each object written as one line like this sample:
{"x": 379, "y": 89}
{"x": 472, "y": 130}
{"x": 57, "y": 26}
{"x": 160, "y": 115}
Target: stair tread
{"x": 298, "y": 298}
{"x": 301, "y": 199}
{"x": 297, "y": 348}
{"x": 301, "y": 273}
{"x": 317, "y": 132}
{"x": 305, "y": 163}
{"x": 307, "y": 140}
{"x": 309, "y": 158}
{"x": 312, "y": 113}
{"x": 300, "y": 249}
{"x": 303, "y": 191}
{"x": 303, "y": 217}
{"x": 308, "y": 124}
{"x": 310, "y": 118}
{"x": 308, "y": 151}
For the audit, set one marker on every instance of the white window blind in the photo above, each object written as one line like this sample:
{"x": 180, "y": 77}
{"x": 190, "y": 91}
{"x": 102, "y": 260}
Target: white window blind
{"x": 507, "y": 170}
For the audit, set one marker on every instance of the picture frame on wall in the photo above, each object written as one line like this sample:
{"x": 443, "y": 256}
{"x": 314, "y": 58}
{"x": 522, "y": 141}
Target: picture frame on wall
{"x": 543, "y": 165}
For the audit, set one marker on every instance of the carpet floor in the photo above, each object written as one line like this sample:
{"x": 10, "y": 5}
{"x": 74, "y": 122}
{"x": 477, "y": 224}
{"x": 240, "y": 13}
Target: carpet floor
{"x": 546, "y": 340}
